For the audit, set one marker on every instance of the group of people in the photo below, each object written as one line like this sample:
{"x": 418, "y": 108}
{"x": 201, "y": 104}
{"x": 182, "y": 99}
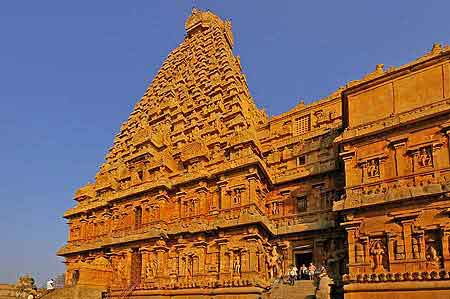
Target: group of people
{"x": 304, "y": 273}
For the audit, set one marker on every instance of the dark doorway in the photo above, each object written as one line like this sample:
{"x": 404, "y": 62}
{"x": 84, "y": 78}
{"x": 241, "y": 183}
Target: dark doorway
{"x": 136, "y": 266}
{"x": 303, "y": 258}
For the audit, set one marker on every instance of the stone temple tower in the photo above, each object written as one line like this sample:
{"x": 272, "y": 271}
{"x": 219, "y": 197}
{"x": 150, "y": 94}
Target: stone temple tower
{"x": 201, "y": 195}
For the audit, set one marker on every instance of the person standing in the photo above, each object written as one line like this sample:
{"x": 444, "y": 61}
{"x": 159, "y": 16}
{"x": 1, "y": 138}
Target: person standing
{"x": 303, "y": 272}
{"x": 293, "y": 274}
{"x": 311, "y": 271}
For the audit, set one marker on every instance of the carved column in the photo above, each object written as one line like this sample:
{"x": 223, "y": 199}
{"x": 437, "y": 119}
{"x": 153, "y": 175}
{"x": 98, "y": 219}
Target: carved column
{"x": 222, "y": 244}
{"x": 180, "y": 211}
{"x": 223, "y": 201}
{"x": 352, "y": 227}
{"x": 350, "y": 175}
{"x": 202, "y": 192}
{"x": 201, "y": 245}
{"x": 401, "y": 167}
{"x": 250, "y": 257}
{"x": 160, "y": 251}
{"x": 446, "y": 247}
{"x": 251, "y": 178}
{"x": 446, "y": 131}
{"x": 407, "y": 231}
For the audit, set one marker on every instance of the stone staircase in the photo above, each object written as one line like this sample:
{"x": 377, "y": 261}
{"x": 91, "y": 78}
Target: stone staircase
{"x": 302, "y": 289}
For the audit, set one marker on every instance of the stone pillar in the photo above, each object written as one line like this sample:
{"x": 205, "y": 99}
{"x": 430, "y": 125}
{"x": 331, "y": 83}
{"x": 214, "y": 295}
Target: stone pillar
{"x": 407, "y": 231}
{"x": 180, "y": 211}
{"x": 223, "y": 201}
{"x": 446, "y": 247}
{"x": 251, "y": 178}
{"x": 201, "y": 245}
{"x": 202, "y": 192}
{"x": 351, "y": 176}
{"x": 401, "y": 165}
{"x": 222, "y": 244}
{"x": 351, "y": 227}
{"x": 447, "y": 133}
{"x": 391, "y": 246}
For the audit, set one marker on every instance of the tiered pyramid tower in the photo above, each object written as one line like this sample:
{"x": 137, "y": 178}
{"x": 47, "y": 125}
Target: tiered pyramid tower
{"x": 199, "y": 187}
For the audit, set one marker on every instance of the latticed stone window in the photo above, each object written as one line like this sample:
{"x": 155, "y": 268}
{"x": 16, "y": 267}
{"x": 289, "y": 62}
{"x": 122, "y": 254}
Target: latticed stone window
{"x": 302, "y": 125}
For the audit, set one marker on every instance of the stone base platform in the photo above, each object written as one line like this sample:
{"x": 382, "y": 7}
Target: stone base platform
{"x": 398, "y": 290}
{"x": 197, "y": 293}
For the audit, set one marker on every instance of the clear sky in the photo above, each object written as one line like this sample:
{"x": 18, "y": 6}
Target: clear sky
{"x": 71, "y": 71}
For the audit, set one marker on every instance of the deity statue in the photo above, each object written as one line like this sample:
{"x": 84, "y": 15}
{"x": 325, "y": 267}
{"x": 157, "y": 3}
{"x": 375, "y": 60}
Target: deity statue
{"x": 373, "y": 168}
{"x": 432, "y": 255}
{"x": 151, "y": 269}
{"x": 424, "y": 157}
{"x": 377, "y": 251}
{"x": 274, "y": 263}
{"x": 236, "y": 265}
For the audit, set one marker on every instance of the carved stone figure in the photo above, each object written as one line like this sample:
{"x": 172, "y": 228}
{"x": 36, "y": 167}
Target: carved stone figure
{"x": 373, "y": 168}
{"x": 151, "y": 268}
{"x": 378, "y": 252}
{"x": 274, "y": 263}
{"x": 432, "y": 255}
{"x": 237, "y": 265}
{"x": 424, "y": 157}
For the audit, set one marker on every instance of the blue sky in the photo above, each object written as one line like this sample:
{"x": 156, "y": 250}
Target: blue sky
{"x": 71, "y": 71}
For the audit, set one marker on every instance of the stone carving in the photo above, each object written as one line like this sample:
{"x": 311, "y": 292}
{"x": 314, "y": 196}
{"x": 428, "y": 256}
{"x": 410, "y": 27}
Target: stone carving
{"x": 432, "y": 255}
{"x": 237, "y": 265}
{"x": 378, "y": 253}
{"x": 424, "y": 157}
{"x": 274, "y": 263}
{"x": 373, "y": 168}
{"x": 151, "y": 268}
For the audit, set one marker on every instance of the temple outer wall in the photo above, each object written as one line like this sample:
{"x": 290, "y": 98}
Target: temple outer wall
{"x": 399, "y": 290}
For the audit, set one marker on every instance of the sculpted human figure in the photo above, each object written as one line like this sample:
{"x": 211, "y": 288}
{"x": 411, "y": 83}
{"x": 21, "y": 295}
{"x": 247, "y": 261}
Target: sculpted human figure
{"x": 236, "y": 265}
{"x": 150, "y": 270}
{"x": 372, "y": 169}
{"x": 273, "y": 262}
{"x": 432, "y": 255}
{"x": 424, "y": 157}
{"x": 377, "y": 252}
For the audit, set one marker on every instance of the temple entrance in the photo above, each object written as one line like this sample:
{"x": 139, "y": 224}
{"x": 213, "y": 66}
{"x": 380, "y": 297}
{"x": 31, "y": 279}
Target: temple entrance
{"x": 304, "y": 257}
{"x": 136, "y": 266}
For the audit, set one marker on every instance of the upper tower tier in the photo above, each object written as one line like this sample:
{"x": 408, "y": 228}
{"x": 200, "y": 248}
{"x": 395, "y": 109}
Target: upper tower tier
{"x": 195, "y": 107}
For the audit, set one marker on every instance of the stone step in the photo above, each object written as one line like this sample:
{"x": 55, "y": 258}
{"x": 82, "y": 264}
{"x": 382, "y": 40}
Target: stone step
{"x": 302, "y": 289}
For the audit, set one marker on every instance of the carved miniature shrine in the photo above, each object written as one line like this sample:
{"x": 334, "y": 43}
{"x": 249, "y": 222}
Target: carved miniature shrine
{"x": 203, "y": 195}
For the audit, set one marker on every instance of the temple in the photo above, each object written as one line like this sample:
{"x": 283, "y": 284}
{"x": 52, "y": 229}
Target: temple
{"x": 202, "y": 195}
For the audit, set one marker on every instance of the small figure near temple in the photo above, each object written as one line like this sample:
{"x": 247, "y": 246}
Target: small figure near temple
{"x": 303, "y": 272}
{"x": 311, "y": 270}
{"x": 292, "y": 274}
{"x": 50, "y": 285}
